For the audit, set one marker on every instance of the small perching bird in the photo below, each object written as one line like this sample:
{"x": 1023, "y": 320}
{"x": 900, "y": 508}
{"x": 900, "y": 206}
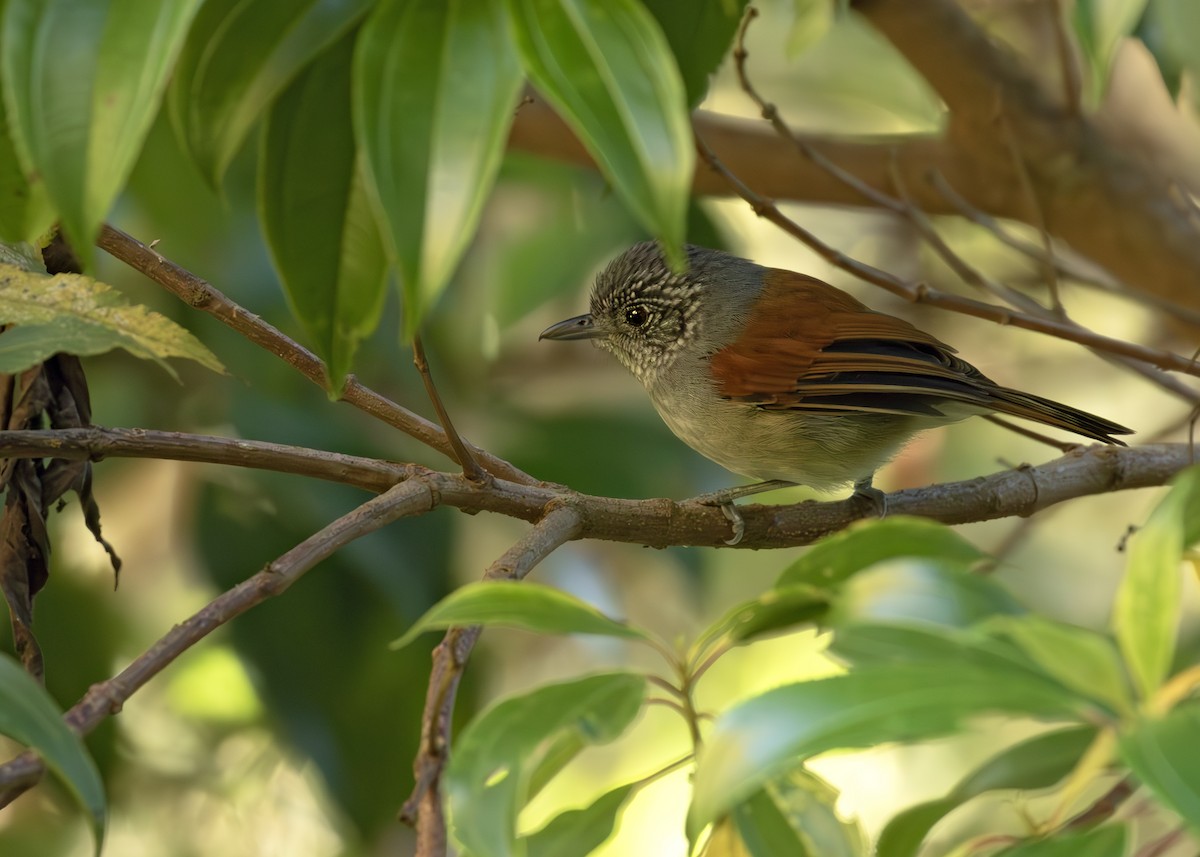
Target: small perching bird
{"x": 783, "y": 378}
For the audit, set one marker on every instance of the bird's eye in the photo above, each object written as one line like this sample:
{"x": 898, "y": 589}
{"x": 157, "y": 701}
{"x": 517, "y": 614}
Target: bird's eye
{"x": 636, "y": 316}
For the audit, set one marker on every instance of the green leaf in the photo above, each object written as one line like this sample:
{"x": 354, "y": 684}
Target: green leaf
{"x": 579, "y": 832}
{"x": 316, "y": 215}
{"x": 1107, "y": 841}
{"x": 831, "y": 562}
{"x": 82, "y": 82}
{"x": 814, "y": 18}
{"x": 922, "y": 590}
{"x": 607, "y": 69}
{"x": 1099, "y": 27}
{"x": 1037, "y": 763}
{"x": 775, "y": 610}
{"x": 1146, "y": 609}
{"x": 872, "y": 705}
{"x": 796, "y": 814}
{"x": 239, "y": 56}
{"x": 1082, "y": 660}
{"x": 1161, "y": 752}
{"x": 1176, "y": 24}
{"x": 487, "y": 778}
{"x": 26, "y": 212}
{"x": 436, "y": 85}
{"x": 29, "y": 715}
{"x": 528, "y": 606}
{"x": 79, "y": 315}
{"x": 700, "y": 34}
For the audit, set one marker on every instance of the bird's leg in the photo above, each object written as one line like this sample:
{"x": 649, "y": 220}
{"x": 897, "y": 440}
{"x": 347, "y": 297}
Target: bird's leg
{"x": 725, "y": 497}
{"x": 867, "y": 493}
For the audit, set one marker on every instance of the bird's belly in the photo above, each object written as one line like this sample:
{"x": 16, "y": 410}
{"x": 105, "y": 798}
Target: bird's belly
{"x": 823, "y": 451}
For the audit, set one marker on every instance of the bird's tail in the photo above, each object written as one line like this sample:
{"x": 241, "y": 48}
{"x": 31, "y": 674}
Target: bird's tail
{"x": 1051, "y": 413}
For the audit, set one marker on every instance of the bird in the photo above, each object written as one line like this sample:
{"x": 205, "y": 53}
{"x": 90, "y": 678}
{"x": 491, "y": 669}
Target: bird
{"x": 783, "y": 378}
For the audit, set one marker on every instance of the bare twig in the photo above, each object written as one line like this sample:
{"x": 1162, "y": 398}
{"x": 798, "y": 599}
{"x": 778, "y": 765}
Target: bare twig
{"x": 561, "y": 524}
{"x": 199, "y": 294}
{"x": 106, "y": 698}
{"x": 462, "y": 454}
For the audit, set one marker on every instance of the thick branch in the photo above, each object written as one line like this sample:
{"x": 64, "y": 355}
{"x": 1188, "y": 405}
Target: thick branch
{"x": 663, "y": 523}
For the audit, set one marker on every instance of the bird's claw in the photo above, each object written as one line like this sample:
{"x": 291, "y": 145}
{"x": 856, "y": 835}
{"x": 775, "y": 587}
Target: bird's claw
{"x": 867, "y": 494}
{"x": 736, "y": 522}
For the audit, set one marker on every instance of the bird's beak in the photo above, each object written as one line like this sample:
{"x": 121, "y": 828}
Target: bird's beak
{"x": 579, "y": 327}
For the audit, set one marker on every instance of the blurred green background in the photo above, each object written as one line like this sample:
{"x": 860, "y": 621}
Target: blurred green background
{"x": 292, "y": 730}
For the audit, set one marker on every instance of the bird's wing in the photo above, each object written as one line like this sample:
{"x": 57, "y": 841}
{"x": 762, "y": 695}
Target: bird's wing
{"x": 837, "y": 356}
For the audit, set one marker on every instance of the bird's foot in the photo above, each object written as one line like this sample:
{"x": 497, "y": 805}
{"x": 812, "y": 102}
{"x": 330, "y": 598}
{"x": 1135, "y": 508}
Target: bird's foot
{"x": 724, "y": 501}
{"x": 867, "y": 494}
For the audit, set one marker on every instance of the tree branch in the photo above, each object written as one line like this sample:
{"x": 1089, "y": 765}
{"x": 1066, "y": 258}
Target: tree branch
{"x": 561, "y": 524}
{"x": 106, "y": 698}
{"x": 1083, "y": 471}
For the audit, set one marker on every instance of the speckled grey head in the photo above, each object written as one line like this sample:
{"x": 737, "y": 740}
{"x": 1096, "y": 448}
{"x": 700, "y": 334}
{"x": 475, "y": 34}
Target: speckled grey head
{"x": 647, "y": 315}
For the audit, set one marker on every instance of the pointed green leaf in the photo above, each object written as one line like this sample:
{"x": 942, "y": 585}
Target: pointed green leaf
{"x": 835, "y": 559}
{"x": 1161, "y": 752}
{"x": 239, "y": 56}
{"x": 82, "y": 82}
{"x": 872, "y": 705}
{"x": 25, "y": 210}
{"x": 938, "y": 591}
{"x": 1082, "y": 660}
{"x": 1146, "y": 610}
{"x": 528, "y": 606}
{"x": 315, "y": 213}
{"x": 79, "y": 315}
{"x": 1176, "y": 25}
{"x": 608, "y": 70}
{"x": 774, "y": 611}
{"x": 700, "y": 33}
{"x": 487, "y": 779}
{"x": 435, "y": 89}
{"x": 29, "y": 715}
{"x": 579, "y": 832}
{"x": 1037, "y": 763}
{"x": 1107, "y": 841}
{"x": 796, "y": 814}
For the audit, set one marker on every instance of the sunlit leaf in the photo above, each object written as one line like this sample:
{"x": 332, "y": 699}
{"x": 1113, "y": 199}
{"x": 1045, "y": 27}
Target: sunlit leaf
{"x": 579, "y": 832}
{"x": 1146, "y": 610}
{"x": 1161, "y": 752}
{"x": 528, "y": 606}
{"x": 1082, "y": 660}
{"x": 82, "y": 82}
{"x": 487, "y": 779}
{"x": 1037, "y": 763}
{"x": 796, "y": 814}
{"x": 872, "y": 705}
{"x": 1107, "y": 841}
{"x": 774, "y": 611}
{"x": 435, "y": 89}
{"x": 835, "y": 559}
{"x": 812, "y": 22}
{"x": 608, "y": 70}
{"x": 239, "y": 55}
{"x": 315, "y": 213}
{"x": 78, "y": 315}
{"x": 939, "y": 591}
{"x": 29, "y": 715}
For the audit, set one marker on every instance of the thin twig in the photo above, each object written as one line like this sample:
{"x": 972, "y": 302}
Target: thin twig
{"x": 107, "y": 697}
{"x": 561, "y": 524}
{"x": 462, "y": 454}
{"x": 199, "y": 294}
{"x": 1072, "y": 86}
